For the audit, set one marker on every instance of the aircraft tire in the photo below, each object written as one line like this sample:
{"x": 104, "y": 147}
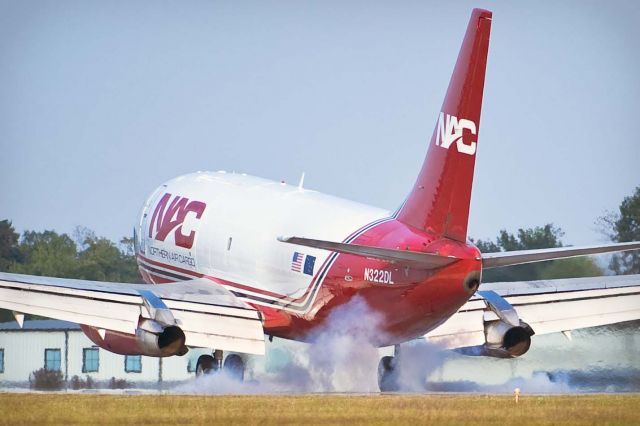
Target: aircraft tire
{"x": 205, "y": 365}
{"x": 388, "y": 375}
{"x": 234, "y": 367}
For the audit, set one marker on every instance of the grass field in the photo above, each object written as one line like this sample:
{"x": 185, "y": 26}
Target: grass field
{"x": 318, "y": 409}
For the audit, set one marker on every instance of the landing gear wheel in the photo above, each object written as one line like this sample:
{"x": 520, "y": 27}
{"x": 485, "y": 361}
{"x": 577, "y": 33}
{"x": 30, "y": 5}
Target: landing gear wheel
{"x": 234, "y": 367}
{"x": 205, "y": 365}
{"x": 388, "y": 375}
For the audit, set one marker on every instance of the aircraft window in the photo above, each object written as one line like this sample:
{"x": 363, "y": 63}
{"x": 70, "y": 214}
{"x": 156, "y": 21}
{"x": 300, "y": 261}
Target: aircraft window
{"x": 133, "y": 363}
{"x": 90, "y": 360}
{"x": 52, "y": 359}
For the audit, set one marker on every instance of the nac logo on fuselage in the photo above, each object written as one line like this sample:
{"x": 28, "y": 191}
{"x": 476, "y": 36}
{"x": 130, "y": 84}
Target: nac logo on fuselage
{"x": 168, "y": 216}
{"x": 450, "y": 129}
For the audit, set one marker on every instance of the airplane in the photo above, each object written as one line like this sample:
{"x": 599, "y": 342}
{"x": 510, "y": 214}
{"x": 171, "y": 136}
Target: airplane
{"x": 229, "y": 259}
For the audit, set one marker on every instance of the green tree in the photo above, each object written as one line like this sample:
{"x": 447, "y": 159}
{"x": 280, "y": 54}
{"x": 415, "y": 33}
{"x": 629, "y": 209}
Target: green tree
{"x": 623, "y": 226}
{"x": 83, "y": 236}
{"x": 44, "y": 253}
{"x": 47, "y": 253}
{"x": 57, "y": 255}
{"x": 539, "y": 237}
{"x": 102, "y": 260}
{"x": 575, "y": 267}
{"x": 127, "y": 246}
{"x": 9, "y": 249}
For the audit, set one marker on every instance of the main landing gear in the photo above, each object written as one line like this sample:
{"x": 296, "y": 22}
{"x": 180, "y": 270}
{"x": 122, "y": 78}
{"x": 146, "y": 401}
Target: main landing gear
{"x": 233, "y": 365}
{"x": 388, "y": 372}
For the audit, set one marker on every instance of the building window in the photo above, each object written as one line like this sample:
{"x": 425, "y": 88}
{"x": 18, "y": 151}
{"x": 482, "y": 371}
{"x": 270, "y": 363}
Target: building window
{"x": 1, "y": 360}
{"x": 133, "y": 363}
{"x": 52, "y": 359}
{"x": 90, "y": 360}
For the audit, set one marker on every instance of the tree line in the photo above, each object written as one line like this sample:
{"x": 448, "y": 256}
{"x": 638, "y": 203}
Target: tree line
{"x": 621, "y": 226}
{"x": 85, "y": 256}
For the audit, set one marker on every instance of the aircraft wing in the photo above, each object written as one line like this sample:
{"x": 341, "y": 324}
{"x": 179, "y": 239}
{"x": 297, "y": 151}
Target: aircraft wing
{"x": 547, "y": 306}
{"x": 507, "y": 258}
{"x": 208, "y": 314}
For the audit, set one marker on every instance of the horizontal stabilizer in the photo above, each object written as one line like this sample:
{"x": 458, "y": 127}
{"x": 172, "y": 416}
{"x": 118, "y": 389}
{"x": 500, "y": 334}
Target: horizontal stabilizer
{"x": 414, "y": 259}
{"x": 508, "y": 258}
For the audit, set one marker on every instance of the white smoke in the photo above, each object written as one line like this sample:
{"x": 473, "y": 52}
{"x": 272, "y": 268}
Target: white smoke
{"x": 536, "y": 384}
{"x": 340, "y": 359}
{"x": 343, "y": 359}
{"x": 416, "y": 361}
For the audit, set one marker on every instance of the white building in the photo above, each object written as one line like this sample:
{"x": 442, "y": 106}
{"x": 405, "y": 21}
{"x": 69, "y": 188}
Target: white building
{"x": 598, "y": 359}
{"x": 62, "y": 346}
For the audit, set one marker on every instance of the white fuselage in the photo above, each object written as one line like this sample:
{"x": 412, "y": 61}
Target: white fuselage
{"x": 233, "y": 237}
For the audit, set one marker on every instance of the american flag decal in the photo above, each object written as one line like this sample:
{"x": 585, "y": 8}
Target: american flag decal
{"x": 296, "y": 263}
{"x": 303, "y": 263}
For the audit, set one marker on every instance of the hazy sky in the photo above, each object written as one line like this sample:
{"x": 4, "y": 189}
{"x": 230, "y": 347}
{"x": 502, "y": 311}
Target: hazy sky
{"x": 100, "y": 102}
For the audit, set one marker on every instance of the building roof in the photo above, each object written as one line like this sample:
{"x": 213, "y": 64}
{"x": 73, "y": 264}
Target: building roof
{"x": 39, "y": 325}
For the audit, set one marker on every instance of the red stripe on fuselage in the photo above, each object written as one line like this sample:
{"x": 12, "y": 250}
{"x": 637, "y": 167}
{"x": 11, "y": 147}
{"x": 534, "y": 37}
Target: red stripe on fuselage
{"x": 223, "y": 282}
{"x": 160, "y": 280}
{"x": 173, "y": 268}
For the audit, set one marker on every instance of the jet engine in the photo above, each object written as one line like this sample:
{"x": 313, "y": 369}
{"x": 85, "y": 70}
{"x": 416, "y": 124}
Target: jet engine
{"x": 150, "y": 339}
{"x": 155, "y": 339}
{"x": 505, "y": 334}
{"x": 158, "y": 333}
{"x": 503, "y": 340}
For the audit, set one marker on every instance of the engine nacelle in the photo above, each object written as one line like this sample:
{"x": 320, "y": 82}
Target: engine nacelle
{"x": 150, "y": 339}
{"x": 158, "y": 340}
{"x": 504, "y": 340}
{"x": 157, "y": 333}
{"x": 505, "y": 334}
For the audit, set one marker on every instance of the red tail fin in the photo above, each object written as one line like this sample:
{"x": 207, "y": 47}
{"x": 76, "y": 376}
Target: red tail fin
{"x": 439, "y": 200}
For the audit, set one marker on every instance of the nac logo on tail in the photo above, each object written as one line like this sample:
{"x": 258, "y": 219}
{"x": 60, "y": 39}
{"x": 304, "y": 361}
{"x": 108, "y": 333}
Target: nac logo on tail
{"x": 450, "y": 129}
{"x": 171, "y": 215}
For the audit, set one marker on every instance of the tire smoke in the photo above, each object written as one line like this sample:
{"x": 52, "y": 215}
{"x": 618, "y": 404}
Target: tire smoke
{"x": 343, "y": 359}
{"x": 340, "y": 359}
